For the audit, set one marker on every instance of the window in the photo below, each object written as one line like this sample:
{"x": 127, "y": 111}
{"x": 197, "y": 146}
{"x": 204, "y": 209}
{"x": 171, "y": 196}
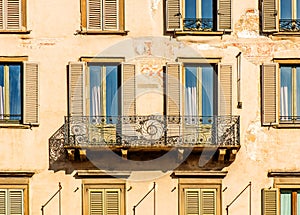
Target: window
{"x": 282, "y": 98}
{"x": 198, "y": 15}
{"x": 104, "y": 198}
{"x": 102, "y": 15}
{"x": 12, "y": 15}
{"x": 11, "y": 201}
{"x": 19, "y": 92}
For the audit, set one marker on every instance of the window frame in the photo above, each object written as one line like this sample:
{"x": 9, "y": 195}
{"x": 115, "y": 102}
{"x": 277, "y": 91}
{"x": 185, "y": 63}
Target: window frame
{"x": 120, "y": 20}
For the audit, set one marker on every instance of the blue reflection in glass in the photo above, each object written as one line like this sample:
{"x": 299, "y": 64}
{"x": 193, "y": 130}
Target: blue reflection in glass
{"x": 285, "y": 92}
{"x": 286, "y": 9}
{"x": 15, "y": 92}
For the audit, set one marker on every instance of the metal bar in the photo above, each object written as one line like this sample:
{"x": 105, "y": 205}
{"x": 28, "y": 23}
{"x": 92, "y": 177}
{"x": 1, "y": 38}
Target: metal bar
{"x": 58, "y": 191}
{"x": 227, "y": 207}
{"x": 134, "y": 207}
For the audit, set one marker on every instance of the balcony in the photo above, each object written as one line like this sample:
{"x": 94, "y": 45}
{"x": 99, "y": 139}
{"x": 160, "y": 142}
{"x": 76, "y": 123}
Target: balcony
{"x": 289, "y": 25}
{"x": 144, "y": 137}
{"x": 198, "y": 24}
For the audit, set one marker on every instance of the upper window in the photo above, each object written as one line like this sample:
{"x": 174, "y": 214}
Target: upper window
{"x": 198, "y": 15}
{"x": 18, "y": 92}
{"x": 102, "y": 15}
{"x": 12, "y": 15}
{"x": 280, "y": 102}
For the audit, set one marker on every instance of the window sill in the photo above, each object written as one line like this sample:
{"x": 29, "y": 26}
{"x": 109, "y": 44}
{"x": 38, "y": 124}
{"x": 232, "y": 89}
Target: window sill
{"x": 88, "y": 32}
{"x": 286, "y": 33}
{"x": 15, "y": 32}
{"x": 197, "y": 33}
{"x": 288, "y": 125}
{"x": 15, "y": 126}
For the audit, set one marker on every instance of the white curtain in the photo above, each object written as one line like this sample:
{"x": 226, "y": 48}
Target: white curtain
{"x": 191, "y": 103}
{"x": 285, "y": 203}
{"x": 1, "y": 102}
{"x": 284, "y": 103}
{"x": 96, "y": 101}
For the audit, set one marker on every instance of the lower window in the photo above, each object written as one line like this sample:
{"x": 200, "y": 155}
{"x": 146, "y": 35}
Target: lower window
{"x": 289, "y": 202}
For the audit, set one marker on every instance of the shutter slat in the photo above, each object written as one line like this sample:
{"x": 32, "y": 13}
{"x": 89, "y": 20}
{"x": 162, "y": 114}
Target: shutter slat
{"x": 1, "y": 15}
{"x": 96, "y": 202}
{"x": 15, "y": 202}
{"x": 94, "y": 14}
{"x": 110, "y": 14}
{"x": 173, "y": 89}
{"x": 225, "y": 90}
{"x": 192, "y": 203}
{"x": 269, "y": 16}
{"x": 224, "y": 15}
{"x": 270, "y": 201}
{"x": 208, "y": 198}
{"x": 112, "y": 199}
{"x": 128, "y": 90}
{"x": 173, "y": 15}
{"x": 31, "y": 93}
{"x": 76, "y": 89}
{"x": 269, "y": 94}
{"x": 3, "y": 202}
{"x": 13, "y": 14}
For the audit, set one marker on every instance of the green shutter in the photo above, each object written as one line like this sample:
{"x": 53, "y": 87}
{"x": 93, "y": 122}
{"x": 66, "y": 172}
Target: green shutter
{"x": 94, "y": 14}
{"x": 269, "y": 15}
{"x": 174, "y": 15}
{"x": 15, "y": 202}
{"x": 76, "y": 89}
{"x": 3, "y": 202}
{"x": 224, "y": 15}
{"x": 112, "y": 202}
{"x": 110, "y": 15}
{"x": 269, "y": 94}
{"x": 13, "y": 14}
{"x": 192, "y": 201}
{"x": 96, "y": 202}
{"x": 208, "y": 202}
{"x": 270, "y": 201}
{"x": 128, "y": 90}
{"x": 31, "y": 93}
{"x": 225, "y": 90}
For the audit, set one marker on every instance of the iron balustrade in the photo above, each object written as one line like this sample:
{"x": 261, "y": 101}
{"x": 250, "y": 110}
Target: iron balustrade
{"x": 289, "y": 119}
{"x": 153, "y": 130}
{"x": 289, "y": 25}
{"x": 198, "y": 24}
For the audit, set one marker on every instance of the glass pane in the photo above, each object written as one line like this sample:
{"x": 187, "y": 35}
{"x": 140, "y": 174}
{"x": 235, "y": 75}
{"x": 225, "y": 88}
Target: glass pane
{"x": 286, "y": 9}
{"x": 15, "y": 92}
{"x": 190, "y": 9}
{"x": 298, "y": 9}
{"x": 285, "y": 202}
{"x": 1, "y": 91}
{"x": 285, "y": 92}
{"x": 191, "y": 100}
{"x": 297, "y": 93}
{"x": 95, "y": 90}
{"x": 207, "y": 91}
{"x": 298, "y": 202}
{"x": 112, "y": 91}
{"x": 207, "y": 9}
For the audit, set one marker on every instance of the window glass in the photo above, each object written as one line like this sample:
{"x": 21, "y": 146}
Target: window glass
{"x": 285, "y": 202}
{"x": 298, "y": 92}
{"x": 207, "y": 9}
{"x": 285, "y": 9}
{"x": 190, "y": 9}
{"x": 285, "y": 92}
{"x": 298, "y": 9}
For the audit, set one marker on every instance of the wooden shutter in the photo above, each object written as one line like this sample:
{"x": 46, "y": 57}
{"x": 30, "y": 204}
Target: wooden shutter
{"x": 269, "y": 16}
{"x": 3, "y": 204}
{"x": 1, "y": 15}
{"x": 269, "y": 94}
{"x": 110, "y": 15}
{"x": 96, "y": 202}
{"x": 174, "y": 14}
{"x": 15, "y": 202}
{"x": 13, "y": 14}
{"x": 173, "y": 89}
{"x": 112, "y": 201}
{"x": 208, "y": 202}
{"x": 128, "y": 90}
{"x": 76, "y": 89}
{"x": 270, "y": 201}
{"x": 225, "y": 89}
{"x": 224, "y": 15}
{"x": 31, "y": 93}
{"x": 94, "y": 14}
{"x": 192, "y": 201}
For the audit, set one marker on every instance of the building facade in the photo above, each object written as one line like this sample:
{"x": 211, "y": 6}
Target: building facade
{"x": 184, "y": 107}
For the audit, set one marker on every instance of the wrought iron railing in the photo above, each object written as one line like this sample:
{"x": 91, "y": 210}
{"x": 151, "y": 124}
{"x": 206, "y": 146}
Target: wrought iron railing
{"x": 198, "y": 24}
{"x": 151, "y": 130}
{"x": 289, "y": 25}
{"x": 289, "y": 119}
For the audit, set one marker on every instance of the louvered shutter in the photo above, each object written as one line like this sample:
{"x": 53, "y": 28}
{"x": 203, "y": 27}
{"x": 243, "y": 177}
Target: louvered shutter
{"x": 77, "y": 89}
{"x": 31, "y": 93}
{"x": 270, "y": 201}
{"x": 225, "y": 90}
{"x": 269, "y": 94}
{"x": 224, "y": 15}
{"x": 173, "y": 89}
{"x": 3, "y": 204}
{"x": 13, "y": 14}
{"x": 94, "y": 14}
{"x": 1, "y": 15}
{"x": 110, "y": 15}
{"x": 128, "y": 90}
{"x": 269, "y": 16}
{"x": 174, "y": 14}
{"x": 96, "y": 202}
{"x": 208, "y": 202}
{"x": 192, "y": 201}
{"x": 112, "y": 201}
{"x": 15, "y": 202}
